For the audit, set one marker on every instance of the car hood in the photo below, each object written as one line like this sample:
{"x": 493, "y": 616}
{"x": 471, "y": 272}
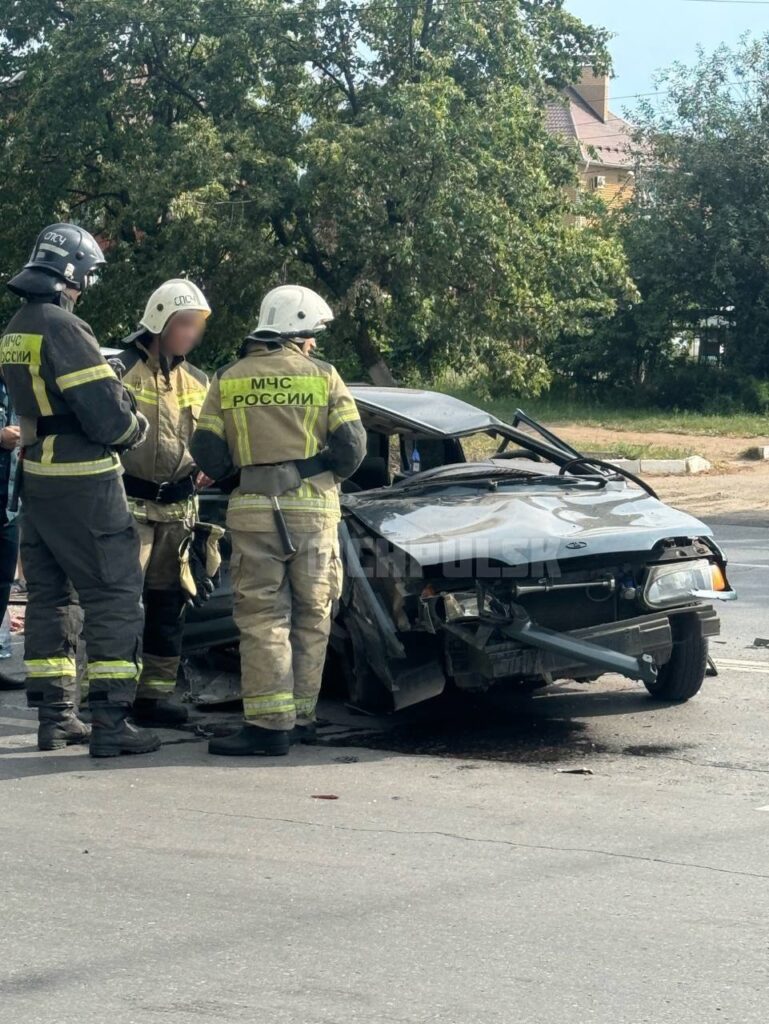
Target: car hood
{"x": 514, "y": 528}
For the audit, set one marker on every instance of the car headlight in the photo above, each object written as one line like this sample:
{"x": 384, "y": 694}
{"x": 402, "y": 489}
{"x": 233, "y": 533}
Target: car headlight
{"x": 672, "y": 584}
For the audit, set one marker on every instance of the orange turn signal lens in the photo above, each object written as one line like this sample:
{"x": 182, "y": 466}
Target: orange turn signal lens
{"x": 718, "y": 578}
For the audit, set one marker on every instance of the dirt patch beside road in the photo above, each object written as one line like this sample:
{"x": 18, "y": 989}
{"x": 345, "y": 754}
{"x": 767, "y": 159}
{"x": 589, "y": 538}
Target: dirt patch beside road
{"x": 743, "y": 490}
{"x": 735, "y": 485}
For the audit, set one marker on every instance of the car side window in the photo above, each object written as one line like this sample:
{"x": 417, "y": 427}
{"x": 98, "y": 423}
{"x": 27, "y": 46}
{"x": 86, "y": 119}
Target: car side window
{"x": 480, "y": 447}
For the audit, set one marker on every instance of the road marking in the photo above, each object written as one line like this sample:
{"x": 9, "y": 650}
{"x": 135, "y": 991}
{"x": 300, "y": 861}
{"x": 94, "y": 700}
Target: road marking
{"x": 763, "y": 808}
{"x": 746, "y": 671}
{"x": 747, "y": 565}
{"x": 742, "y": 661}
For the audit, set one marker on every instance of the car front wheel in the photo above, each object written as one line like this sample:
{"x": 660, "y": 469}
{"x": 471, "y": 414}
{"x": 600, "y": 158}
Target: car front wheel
{"x": 681, "y": 678}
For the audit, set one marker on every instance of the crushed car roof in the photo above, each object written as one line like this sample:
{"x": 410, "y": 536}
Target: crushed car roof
{"x": 414, "y": 410}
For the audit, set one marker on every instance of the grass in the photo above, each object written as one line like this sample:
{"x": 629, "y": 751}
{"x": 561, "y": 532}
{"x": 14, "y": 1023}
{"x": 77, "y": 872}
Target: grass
{"x": 625, "y": 450}
{"x": 558, "y": 413}
{"x": 479, "y": 448}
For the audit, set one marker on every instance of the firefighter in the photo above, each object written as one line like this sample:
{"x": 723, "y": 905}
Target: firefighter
{"x": 161, "y": 480}
{"x": 77, "y": 530}
{"x": 288, "y": 429}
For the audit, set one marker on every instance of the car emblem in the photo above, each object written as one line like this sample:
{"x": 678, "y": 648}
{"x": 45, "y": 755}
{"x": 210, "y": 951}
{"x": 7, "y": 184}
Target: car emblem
{"x": 575, "y": 545}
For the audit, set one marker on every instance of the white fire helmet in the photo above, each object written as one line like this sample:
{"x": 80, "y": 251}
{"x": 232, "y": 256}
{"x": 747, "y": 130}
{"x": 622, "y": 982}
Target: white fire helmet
{"x": 176, "y": 296}
{"x": 292, "y": 311}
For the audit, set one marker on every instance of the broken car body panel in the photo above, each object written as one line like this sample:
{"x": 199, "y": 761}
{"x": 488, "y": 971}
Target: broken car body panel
{"x": 425, "y": 413}
{"x": 517, "y": 528}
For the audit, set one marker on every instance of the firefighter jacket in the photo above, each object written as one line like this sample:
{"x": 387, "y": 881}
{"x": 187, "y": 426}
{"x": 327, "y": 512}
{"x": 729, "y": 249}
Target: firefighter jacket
{"x": 277, "y": 405}
{"x": 72, "y": 409}
{"x": 170, "y": 394}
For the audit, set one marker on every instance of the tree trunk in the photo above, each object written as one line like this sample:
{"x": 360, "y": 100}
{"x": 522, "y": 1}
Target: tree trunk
{"x": 372, "y": 359}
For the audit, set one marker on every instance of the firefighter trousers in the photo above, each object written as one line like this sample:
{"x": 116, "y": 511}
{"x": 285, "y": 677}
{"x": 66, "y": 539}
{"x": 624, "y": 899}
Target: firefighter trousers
{"x": 164, "y": 606}
{"x": 79, "y": 538}
{"x": 283, "y": 608}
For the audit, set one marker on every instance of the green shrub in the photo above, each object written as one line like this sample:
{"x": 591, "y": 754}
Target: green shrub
{"x": 696, "y": 387}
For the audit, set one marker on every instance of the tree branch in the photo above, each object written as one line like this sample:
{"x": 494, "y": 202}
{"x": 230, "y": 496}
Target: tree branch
{"x": 160, "y": 72}
{"x": 428, "y": 26}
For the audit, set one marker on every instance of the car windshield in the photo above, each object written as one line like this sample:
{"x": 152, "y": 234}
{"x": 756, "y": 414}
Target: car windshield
{"x": 411, "y": 446}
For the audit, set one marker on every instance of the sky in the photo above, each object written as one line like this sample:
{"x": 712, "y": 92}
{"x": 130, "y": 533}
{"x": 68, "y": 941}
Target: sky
{"x": 652, "y": 34}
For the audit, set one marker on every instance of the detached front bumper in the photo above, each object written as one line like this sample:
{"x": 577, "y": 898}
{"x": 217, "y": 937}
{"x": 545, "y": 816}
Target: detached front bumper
{"x": 642, "y": 638}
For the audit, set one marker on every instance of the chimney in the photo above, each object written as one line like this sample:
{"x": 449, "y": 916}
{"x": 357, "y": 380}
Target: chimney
{"x": 594, "y": 90}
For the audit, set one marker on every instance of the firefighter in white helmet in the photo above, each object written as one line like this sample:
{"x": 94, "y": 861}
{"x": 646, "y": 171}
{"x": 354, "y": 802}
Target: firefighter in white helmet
{"x": 287, "y": 428}
{"x": 161, "y": 480}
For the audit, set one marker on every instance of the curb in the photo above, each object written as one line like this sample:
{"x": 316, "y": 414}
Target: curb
{"x": 665, "y": 467}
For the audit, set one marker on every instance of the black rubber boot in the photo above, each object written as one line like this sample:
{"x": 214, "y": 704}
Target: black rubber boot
{"x": 307, "y": 734}
{"x": 114, "y": 733}
{"x": 163, "y": 713}
{"x": 59, "y": 727}
{"x": 252, "y": 739}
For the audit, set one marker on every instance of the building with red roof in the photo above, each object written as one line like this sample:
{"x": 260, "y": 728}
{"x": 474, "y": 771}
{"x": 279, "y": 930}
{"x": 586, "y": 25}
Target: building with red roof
{"x": 604, "y": 140}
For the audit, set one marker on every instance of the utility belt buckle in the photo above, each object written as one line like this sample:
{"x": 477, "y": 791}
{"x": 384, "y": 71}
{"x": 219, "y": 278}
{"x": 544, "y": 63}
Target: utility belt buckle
{"x": 164, "y": 495}
{"x": 169, "y": 493}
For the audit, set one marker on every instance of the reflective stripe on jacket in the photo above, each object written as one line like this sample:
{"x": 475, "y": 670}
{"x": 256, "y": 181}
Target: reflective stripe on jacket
{"x": 52, "y": 366}
{"x": 171, "y": 396}
{"x": 278, "y": 405}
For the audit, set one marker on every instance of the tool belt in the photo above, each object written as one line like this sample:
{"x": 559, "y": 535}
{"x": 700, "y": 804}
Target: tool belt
{"x": 164, "y": 494}
{"x": 64, "y": 423}
{"x": 274, "y": 479}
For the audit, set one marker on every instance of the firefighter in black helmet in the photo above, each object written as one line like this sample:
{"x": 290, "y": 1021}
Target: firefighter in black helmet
{"x": 77, "y": 531}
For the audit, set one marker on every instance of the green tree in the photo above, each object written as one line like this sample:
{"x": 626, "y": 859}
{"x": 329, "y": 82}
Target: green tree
{"x": 696, "y": 233}
{"x": 392, "y": 154}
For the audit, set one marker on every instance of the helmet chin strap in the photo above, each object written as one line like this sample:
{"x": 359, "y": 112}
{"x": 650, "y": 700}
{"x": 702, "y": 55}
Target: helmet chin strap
{"x": 164, "y": 359}
{"x": 65, "y": 300}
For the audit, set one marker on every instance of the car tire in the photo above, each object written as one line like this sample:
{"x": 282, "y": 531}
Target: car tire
{"x": 681, "y": 677}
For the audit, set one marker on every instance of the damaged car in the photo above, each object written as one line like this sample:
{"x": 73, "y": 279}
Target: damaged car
{"x": 481, "y": 554}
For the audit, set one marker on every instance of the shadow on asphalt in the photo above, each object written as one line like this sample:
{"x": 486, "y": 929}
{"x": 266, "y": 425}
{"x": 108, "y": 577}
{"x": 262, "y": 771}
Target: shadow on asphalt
{"x": 552, "y": 726}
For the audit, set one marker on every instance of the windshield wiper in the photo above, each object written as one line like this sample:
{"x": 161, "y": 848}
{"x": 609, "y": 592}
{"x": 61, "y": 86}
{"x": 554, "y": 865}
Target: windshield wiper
{"x": 492, "y": 480}
{"x": 568, "y": 481}
{"x": 457, "y": 473}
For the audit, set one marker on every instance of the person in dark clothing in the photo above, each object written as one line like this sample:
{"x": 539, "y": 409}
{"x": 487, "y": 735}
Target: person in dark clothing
{"x": 9, "y": 533}
{"x": 77, "y": 530}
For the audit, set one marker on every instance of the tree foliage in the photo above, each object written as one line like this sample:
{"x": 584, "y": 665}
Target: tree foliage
{"x": 391, "y": 154}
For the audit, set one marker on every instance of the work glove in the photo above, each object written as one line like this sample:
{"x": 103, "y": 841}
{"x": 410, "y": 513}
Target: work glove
{"x": 200, "y": 562}
{"x": 118, "y": 366}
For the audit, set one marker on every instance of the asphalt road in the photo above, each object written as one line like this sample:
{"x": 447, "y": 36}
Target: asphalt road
{"x": 479, "y": 883}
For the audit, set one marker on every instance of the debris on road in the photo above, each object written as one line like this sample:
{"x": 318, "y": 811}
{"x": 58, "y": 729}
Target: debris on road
{"x": 574, "y": 771}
